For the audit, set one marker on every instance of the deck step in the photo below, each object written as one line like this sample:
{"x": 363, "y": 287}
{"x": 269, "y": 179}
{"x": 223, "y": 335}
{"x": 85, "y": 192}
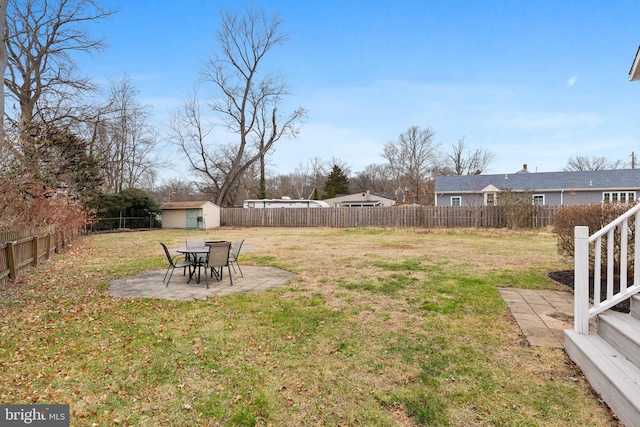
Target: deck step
{"x": 622, "y": 332}
{"x": 635, "y": 306}
{"x": 610, "y": 373}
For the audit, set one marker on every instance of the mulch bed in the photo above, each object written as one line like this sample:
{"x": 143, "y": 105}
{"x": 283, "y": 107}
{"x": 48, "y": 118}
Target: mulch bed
{"x": 566, "y": 277}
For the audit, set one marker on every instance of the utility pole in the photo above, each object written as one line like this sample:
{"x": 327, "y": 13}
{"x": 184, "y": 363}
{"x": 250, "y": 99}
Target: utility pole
{"x": 633, "y": 160}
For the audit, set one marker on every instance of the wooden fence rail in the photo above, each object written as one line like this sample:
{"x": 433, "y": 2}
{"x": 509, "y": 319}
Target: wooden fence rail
{"x": 27, "y": 248}
{"x": 420, "y": 216}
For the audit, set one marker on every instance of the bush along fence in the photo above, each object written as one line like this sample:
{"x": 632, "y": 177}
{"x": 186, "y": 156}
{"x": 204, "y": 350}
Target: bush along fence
{"x": 27, "y": 248}
{"x": 405, "y": 216}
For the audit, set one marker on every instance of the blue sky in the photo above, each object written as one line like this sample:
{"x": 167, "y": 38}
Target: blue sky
{"x": 535, "y": 82}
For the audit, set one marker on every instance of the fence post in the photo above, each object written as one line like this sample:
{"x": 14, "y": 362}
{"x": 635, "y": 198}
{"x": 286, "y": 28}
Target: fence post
{"x": 11, "y": 257}
{"x": 48, "y": 244}
{"x": 581, "y": 280}
{"x": 34, "y": 246}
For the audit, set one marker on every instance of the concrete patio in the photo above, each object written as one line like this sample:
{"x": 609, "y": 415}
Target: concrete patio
{"x": 149, "y": 285}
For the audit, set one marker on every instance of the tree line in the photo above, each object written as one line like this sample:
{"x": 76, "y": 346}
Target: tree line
{"x": 69, "y": 146}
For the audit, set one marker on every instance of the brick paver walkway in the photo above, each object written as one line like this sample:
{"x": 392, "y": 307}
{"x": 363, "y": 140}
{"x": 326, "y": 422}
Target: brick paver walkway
{"x": 542, "y": 315}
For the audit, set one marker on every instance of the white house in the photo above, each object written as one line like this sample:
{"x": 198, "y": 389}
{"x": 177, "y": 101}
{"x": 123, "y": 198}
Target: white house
{"x": 202, "y": 215}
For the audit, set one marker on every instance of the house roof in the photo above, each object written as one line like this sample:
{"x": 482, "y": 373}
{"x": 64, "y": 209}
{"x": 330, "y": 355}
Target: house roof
{"x": 359, "y": 197}
{"x": 634, "y": 72}
{"x": 184, "y": 205}
{"x": 619, "y": 179}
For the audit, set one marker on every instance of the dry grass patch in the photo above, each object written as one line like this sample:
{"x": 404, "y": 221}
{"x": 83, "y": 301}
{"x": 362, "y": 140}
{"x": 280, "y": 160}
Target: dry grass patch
{"x": 380, "y": 327}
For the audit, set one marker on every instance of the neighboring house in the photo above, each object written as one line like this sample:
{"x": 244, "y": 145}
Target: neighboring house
{"x": 190, "y": 215}
{"x": 546, "y": 188}
{"x": 363, "y": 199}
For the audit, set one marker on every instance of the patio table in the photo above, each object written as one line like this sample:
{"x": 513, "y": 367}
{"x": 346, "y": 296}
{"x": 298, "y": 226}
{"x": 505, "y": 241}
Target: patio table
{"x": 198, "y": 252}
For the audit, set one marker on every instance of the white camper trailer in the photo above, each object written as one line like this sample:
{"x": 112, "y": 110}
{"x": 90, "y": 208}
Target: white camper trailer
{"x": 285, "y": 202}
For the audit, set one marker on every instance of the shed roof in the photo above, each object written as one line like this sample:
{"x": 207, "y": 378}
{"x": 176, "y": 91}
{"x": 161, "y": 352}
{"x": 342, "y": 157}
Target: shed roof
{"x": 621, "y": 179}
{"x": 184, "y": 205}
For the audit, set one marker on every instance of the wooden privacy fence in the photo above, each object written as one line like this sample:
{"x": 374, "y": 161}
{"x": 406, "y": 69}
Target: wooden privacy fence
{"x": 406, "y": 216}
{"x": 26, "y": 248}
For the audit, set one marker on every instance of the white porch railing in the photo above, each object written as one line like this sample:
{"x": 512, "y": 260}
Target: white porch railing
{"x": 584, "y": 309}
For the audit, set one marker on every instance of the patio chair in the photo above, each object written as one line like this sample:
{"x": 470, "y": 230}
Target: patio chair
{"x": 233, "y": 255}
{"x": 173, "y": 264}
{"x": 197, "y": 241}
{"x": 218, "y": 259}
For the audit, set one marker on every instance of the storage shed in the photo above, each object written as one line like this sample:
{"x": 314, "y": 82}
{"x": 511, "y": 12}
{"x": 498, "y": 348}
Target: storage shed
{"x": 191, "y": 215}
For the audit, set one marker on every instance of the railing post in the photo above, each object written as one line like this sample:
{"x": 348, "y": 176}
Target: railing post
{"x": 581, "y": 280}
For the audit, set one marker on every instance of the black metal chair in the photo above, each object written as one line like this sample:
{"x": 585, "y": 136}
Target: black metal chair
{"x": 173, "y": 264}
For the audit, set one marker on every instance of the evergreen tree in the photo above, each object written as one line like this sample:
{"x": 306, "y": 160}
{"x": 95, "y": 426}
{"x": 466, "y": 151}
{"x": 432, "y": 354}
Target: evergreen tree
{"x": 130, "y": 203}
{"x": 337, "y": 183}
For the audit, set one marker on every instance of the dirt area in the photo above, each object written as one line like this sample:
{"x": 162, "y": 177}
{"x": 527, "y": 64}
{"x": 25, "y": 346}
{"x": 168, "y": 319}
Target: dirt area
{"x": 565, "y": 278}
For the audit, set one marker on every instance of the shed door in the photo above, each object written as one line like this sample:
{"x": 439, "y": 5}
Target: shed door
{"x": 192, "y": 218}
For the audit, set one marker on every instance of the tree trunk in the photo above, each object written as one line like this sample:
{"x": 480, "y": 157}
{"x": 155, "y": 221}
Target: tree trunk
{"x": 4, "y": 59}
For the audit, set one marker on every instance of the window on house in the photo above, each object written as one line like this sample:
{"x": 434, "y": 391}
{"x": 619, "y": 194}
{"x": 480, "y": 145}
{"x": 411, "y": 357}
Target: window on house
{"x": 538, "y": 199}
{"x": 490, "y": 199}
{"x": 455, "y": 201}
{"x": 619, "y": 196}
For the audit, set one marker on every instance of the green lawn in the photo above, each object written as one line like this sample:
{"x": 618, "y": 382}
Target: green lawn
{"x": 380, "y": 327}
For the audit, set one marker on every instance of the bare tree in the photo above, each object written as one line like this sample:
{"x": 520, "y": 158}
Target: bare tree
{"x": 465, "y": 161}
{"x": 175, "y": 189}
{"x": 518, "y": 208}
{"x": 128, "y": 154}
{"x": 190, "y": 131}
{"x": 245, "y": 99}
{"x": 376, "y": 178}
{"x": 3, "y": 58}
{"x": 42, "y": 35}
{"x": 318, "y": 171}
{"x": 583, "y": 163}
{"x": 412, "y": 159}
{"x": 41, "y": 78}
{"x": 300, "y": 182}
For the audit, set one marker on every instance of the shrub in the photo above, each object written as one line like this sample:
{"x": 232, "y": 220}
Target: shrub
{"x": 595, "y": 217}
{"x": 29, "y": 205}
{"x": 518, "y": 208}
{"x": 136, "y": 204}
